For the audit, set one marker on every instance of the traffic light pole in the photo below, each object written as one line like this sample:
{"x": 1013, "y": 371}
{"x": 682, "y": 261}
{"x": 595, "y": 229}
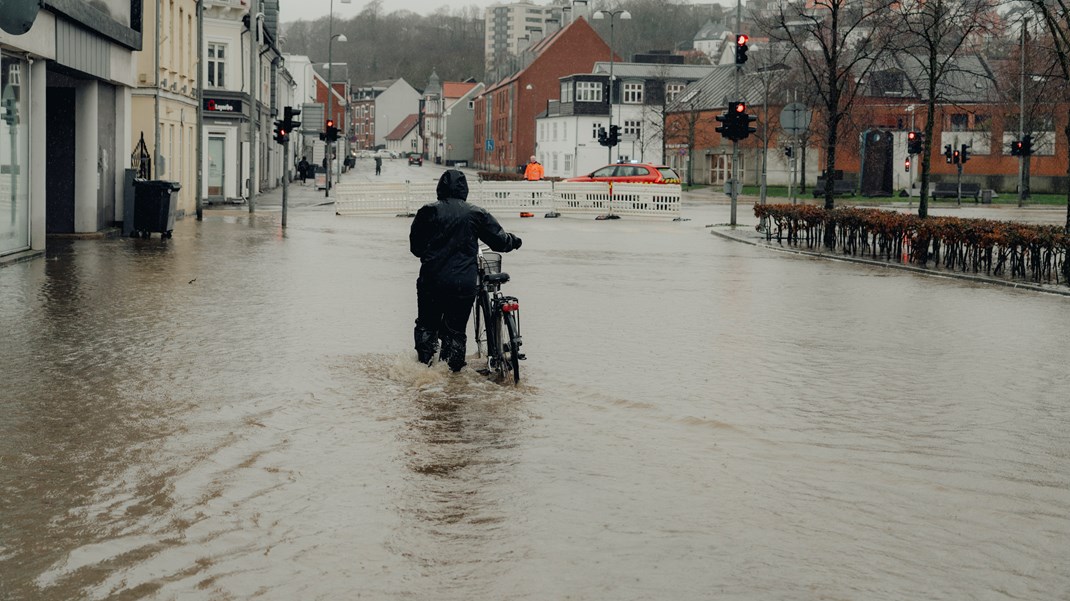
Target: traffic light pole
{"x": 735, "y": 143}
{"x": 285, "y": 177}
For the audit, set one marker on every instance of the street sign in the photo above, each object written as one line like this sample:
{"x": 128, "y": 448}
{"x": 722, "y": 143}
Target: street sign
{"x": 312, "y": 115}
{"x": 795, "y": 118}
{"x": 490, "y": 144}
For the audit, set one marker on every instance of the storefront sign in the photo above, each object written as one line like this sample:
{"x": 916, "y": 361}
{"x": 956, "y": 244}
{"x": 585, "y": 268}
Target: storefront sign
{"x": 222, "y": 105}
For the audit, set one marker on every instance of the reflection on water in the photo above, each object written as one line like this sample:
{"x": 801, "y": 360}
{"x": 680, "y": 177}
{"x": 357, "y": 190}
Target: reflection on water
{"x": 236, "y": 414}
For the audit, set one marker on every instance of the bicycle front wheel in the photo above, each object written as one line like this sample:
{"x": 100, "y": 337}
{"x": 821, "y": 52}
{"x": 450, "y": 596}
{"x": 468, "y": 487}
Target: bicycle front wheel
{"x": 484, "y": 332}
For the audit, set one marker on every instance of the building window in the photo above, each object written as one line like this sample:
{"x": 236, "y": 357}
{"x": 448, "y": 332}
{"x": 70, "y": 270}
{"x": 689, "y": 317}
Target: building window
{"x": 217, "y": 60}
{"x": 566, "y": 91}
{"x": 633, "y": 93}
{"x": 594, "y": 130}
{"x": 588, "y": 91}
{"x": 568, "y": 164}
{"x": 960, "y": 122}
{"x": 633, "y": 128}
{"x": 553, "y": 165}
{"x": 673, "y": 90}
{"x": 555, "y": 131}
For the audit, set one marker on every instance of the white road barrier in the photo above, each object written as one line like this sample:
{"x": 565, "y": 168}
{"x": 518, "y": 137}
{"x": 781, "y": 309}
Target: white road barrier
{"x": 566, "y": 198}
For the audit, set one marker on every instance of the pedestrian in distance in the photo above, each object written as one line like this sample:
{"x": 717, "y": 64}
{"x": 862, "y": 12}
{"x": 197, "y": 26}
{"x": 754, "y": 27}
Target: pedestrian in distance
{"x": 445, "y": 235}
{"x": 378, "y": 165}
{"x": 302, "y": 169}
{"x": 534, "y": 171}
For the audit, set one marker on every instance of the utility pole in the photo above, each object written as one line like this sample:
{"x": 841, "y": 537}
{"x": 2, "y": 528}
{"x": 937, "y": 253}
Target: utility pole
{"x": 156, "y": 101}
{"x": 254, "y": 63}
{"x": 200, "y": 110}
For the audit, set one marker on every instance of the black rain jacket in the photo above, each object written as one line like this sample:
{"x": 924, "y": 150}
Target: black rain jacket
{"x": 445, "y": 236}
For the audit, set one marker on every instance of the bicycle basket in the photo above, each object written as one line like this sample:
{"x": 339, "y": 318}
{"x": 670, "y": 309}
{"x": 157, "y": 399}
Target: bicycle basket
{"x": 491, "y": 262}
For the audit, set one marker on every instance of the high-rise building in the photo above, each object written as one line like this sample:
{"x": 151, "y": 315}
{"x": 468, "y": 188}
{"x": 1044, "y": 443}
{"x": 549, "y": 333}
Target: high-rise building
{"x": 508, "y": 30}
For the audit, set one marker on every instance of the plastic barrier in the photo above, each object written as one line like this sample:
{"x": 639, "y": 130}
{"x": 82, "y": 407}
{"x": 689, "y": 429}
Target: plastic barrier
{"x": 566, "y": 198}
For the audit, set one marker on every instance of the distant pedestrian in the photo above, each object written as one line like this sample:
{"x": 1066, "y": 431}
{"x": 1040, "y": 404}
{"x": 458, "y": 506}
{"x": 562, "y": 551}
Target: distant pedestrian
{"x": 378, "y": 165}
{"x": 534, "y": 170}
{"x": 302, "y": 169}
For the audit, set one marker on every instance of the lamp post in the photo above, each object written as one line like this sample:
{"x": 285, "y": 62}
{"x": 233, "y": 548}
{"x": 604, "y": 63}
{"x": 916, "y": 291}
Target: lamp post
{"x": 624, "y": 16}
{"x": 341, "y": 37}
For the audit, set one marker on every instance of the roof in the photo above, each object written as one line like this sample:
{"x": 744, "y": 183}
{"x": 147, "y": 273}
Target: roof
{"x": 717, "y": 89}
{"x": 712, "y": 30}
{"x": 968, "y": 80}
{"x": 654, "y": 70}
{"x": 456, "y": 89}
{"x": 403, "y": 128}
{"x": 535, "y": 50}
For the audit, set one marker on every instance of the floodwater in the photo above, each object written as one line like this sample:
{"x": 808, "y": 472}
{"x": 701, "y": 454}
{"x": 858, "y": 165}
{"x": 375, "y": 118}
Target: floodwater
{"x": 237, "y": 413}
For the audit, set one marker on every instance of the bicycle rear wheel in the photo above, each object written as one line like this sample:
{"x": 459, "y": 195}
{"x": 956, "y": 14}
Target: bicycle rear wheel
{"x": 511, "y": 346}
{"x": 484, "y": 331}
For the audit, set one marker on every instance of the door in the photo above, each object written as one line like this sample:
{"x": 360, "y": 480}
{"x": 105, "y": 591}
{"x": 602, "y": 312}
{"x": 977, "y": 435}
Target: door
{"x": 877, "y": 164}
{"x": 59, "y": 161}
{"x": 216, "y": 166}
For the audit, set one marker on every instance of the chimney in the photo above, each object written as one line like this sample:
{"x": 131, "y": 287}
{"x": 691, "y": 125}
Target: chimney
{"x": 566, "y": 16}
{"x": 552, "y": 25}
{"x": 535, "y": 35}
{"x": 580, "y": 9}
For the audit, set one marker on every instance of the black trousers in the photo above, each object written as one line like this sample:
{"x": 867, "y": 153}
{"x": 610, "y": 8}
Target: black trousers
{"x": 442, "y": 315}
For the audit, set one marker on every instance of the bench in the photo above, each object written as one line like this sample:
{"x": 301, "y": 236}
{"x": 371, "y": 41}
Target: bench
{"x": 840, "y": 187}
{"x": 951, "y": 190}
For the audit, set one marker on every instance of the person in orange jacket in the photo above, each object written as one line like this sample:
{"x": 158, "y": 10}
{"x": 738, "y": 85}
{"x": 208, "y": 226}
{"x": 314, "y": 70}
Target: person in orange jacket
{"x": 534, "y": 171}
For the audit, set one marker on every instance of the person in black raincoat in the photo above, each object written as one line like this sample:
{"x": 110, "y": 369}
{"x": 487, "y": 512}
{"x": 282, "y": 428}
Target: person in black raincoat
{"x": 445, "y": 236}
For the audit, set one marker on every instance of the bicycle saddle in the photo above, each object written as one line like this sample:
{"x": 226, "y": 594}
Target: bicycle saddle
{"x": 496, "y": 278}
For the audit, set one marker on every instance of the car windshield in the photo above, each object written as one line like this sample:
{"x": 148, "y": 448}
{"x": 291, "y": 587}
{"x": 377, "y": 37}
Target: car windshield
{"x": 605, "y": 171}
{"x": 668, "y": 173}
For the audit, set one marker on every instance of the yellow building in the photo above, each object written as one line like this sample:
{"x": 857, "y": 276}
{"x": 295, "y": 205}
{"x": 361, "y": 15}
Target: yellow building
{"x": 167, "y": 87}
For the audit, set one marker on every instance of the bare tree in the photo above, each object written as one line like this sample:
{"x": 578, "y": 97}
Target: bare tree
{"x": 834, "y": 43}
{"x": 934, "y": 36}
{"x": 1056, "y": 17}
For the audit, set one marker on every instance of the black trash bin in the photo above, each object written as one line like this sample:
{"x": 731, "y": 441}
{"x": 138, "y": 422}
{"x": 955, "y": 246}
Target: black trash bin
{"x": 155, "y": 202}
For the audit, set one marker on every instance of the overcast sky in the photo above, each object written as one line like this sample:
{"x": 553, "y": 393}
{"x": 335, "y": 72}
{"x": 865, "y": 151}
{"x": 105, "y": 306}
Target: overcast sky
{"x": 313, "y": 9}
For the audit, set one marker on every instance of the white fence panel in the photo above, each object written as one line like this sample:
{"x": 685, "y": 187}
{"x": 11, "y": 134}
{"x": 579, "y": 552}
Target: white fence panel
{"x": 421, "y": 193}
{"x": 515, "y": 196}
{"x": 581, "y": 198}
{"x": 646, "y": 200}
{"x": 354, "y": 198}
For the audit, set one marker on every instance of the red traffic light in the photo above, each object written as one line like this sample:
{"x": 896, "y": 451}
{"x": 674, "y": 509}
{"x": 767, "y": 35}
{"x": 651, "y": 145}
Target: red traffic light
{"x": 330, "y": 123}
{"x": 912, "y": 136}
{"x": 740, "y": 107}
{"x": 742, "y": 39}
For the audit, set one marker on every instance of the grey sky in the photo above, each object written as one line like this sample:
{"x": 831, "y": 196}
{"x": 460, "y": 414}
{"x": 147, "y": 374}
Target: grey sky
{"x": 293, "y": 10}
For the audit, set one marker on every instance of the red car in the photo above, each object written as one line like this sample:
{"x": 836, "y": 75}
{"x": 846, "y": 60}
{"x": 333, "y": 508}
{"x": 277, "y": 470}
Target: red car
{"x": 637, "y": 173}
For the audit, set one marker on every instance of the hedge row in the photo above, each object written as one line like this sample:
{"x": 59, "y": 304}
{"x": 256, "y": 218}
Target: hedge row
{"x": 1040, "y": 253}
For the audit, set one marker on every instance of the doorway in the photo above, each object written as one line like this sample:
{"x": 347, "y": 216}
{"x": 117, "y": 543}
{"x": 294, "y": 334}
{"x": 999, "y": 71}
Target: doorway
{"x": 877, "y": 164}
{"x": 217, "y": 172}
{"x": 59, "y": 160}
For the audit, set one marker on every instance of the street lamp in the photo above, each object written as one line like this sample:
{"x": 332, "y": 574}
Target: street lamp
{"x": 341, "y": 37}
{"x": 624, "y": 16}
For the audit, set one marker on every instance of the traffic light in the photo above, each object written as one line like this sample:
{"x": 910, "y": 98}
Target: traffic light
{"x": 1016, "y": 148}
{"x": 745, "y": 120}
{"x": 736, "y": 122}
{"x": 282, "y": 135}
{"x": 603, "y": 139}
{"x": 1027, "y": 145}
{"x": 947, "y": 153}
{"x": 789, "y": 152}
{"x": 913, "y": 142}
{"x": 741, "y": 48}
{"x": 11, "y": 112}
{"x": 330, "y": 133}
{"x": 289, "y": 113}
{"x": 614, "y": 135}
{"x": 906, "y": 164}
{"x": 956, "y": 158}
{"x": 725, "y": 120}
{"x": 964, "y": 155}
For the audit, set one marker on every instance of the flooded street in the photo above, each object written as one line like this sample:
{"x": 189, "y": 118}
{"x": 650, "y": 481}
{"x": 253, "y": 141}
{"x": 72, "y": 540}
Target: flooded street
{"x": 237, "y": 413}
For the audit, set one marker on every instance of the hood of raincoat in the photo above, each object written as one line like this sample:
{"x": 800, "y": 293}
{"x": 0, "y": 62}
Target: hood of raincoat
{"x": 452, "y": 184}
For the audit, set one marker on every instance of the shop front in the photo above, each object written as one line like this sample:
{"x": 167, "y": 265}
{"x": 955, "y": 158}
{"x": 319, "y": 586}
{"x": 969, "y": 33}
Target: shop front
{"x": 224, "y": 116}
{"x": 14, "y": 155}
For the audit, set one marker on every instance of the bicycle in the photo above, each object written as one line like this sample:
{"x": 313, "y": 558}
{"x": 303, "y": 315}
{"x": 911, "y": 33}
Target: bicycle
{"x": 497, "y": 320}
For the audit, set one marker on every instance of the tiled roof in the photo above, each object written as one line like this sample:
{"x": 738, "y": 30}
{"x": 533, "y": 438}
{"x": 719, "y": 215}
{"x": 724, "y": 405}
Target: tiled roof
{"x": 456, "y": 89}
{"x": 403, "y": 128}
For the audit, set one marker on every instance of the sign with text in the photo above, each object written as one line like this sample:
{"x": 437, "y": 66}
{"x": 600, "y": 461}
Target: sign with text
{"x": 223, "y": 105}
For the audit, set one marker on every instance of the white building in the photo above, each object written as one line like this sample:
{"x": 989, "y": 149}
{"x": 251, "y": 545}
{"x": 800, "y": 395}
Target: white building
{"x": 239, "y": 161}
{"x": 449, "y": 120}
{"x": 66, "y": 74}
{"x": 567, "y": 133}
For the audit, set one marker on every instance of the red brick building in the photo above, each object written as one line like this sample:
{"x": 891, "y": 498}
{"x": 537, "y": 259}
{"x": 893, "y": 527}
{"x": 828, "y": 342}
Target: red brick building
{"x": 505, "y": 112}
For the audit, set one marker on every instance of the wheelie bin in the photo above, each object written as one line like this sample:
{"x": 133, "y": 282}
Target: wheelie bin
{"x": 155, "y": 202}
